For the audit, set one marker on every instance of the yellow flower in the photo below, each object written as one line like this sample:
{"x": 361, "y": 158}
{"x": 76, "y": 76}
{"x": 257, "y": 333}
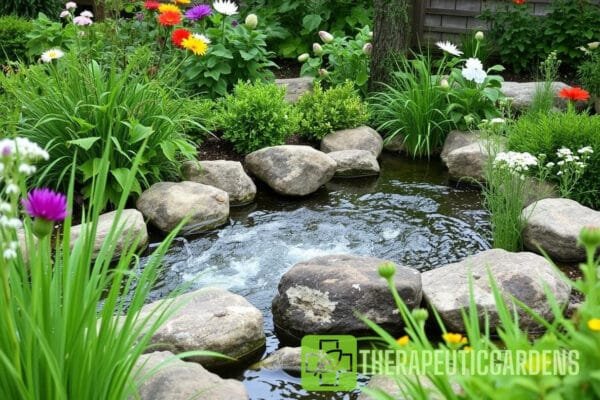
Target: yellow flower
{"x": 195, "y": 45}
{"x": 403, "y": 341}
{"x": 168, "y": 7}
{"x": 454, "y": 338}
{"x": 467, "y": 348}
{"x": 594, "y": 324}
{"x": 182, "y": 1}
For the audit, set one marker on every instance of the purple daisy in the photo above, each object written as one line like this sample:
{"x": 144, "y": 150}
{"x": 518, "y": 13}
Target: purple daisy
{"x": 46, "y": 204}
{"x": 198, "y": 12}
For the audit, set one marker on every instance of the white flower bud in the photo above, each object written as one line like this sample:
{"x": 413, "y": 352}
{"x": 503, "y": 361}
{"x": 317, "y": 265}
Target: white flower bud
{"x": 303, "y": 57}
{"x": 479, "y": 36}
{"x": 326, "y": 37}
{"x": 317, "y": 49}
{"x": 367, "y": 49}
{"x": 251, "y": 21}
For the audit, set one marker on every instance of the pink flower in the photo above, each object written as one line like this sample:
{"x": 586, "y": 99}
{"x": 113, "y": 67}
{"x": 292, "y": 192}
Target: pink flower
{"x": 82, "y": 20}
{"x": 46, "y": 204}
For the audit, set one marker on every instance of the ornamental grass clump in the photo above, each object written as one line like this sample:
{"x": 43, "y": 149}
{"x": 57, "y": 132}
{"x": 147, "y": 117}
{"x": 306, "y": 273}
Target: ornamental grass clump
{"x": 71, "y": 323}
{"x": 560, "y": 363}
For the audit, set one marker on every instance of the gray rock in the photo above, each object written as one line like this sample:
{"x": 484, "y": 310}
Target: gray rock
{"x": 395, "y": 144}
{"x": 166, "y": 204}
{"x": 287, "y": 358}
{"x": 130, "y": 227}
{"x": 397, "y": 389}
{"x": 291, "y": 170}
{"x": 361, "y": 138}
{"x": 554, "y": 225}
{"x": 522, "y": 275}
{"x": 355, "y": 163}
{"x": 211, "y": 319}
{"x": 225, "y": 175}
{"x": 161, "y": 376}
{"x": 321, "y": 296}
{"x": 521, "y": 93}
{"x": 469, "y": 162}
{"x": 456, "y": 140}
{"x": 295, "y": 87}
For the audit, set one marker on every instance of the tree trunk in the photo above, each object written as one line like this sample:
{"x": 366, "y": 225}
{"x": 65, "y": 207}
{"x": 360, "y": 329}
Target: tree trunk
{"x": 391, "y": 35}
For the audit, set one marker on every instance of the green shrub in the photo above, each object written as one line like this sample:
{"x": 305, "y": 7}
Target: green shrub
{"x": 413, "y": 106}
{"x": 256, "y": 115}
{"x": 589, "y": 70}
{"x": 30, "y": 8}
{"x": 326, "y": 111}
{"x": 546, "y": 133}
{"x": 13, "y": 38}
{"x": 72, "y": 107}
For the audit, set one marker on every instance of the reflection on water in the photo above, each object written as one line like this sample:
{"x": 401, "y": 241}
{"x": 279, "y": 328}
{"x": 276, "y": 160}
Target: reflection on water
{"x": 408, "y": 215}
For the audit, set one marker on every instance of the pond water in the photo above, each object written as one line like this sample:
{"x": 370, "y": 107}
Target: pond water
{"x": 410, "y": 214}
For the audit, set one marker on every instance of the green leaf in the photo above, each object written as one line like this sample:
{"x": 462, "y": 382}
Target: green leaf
{"x": 85, "y": 143}
{"x": 121, "y": 175}
{"x": 311, "y": 22}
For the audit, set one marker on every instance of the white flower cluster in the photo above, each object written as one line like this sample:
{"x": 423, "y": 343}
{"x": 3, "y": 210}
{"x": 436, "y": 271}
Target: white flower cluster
{"x": 518, "y": 163}
{"x": 569, "y": 159}
{"x": 16, "y": 159}
{"x": 473, "y": 71}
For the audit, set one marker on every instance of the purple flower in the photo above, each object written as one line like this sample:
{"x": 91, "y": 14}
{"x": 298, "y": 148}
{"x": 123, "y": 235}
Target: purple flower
{"x": 46, "y": 204}
{"x": 234, "y": 23}
{"x": 198, "y": 12}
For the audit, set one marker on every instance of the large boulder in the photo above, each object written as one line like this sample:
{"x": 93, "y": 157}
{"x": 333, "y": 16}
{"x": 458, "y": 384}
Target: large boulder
{"x": 519, "y": 275}
{"x": 469, "y": 162}
{"x": 456, "y": 140}
{"x": 161, "y": 376}
{"x": 292, "y": 170}
{"x": 225, "y": 175}
{"x": 355, "y": 163}
{"x": 361, "y": 138}
{"x": 321, "y": 296}
{"x": 211, "y": 319}
{"x": 394, "y": 144}
{"x": 129, "y": 228}
{"x": 295, "y": 87}
{"x": 166, "y": 204}
{"x": 554, "y": 225}
{"x": 521, "y": 94}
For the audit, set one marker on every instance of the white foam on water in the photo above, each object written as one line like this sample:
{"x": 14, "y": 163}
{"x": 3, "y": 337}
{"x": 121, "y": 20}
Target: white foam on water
{"x": 389, "y": 234}
{"x": 236, "y": 274}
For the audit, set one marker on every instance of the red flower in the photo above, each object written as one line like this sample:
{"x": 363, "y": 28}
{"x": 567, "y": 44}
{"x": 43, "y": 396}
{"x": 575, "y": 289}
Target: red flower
{"x": 178, "y": 35}
{"x": 574, "y": 94}
{"x": 169, "y": 18}
{"x": 519, "y": 2}
{"x": 151, "y": 5}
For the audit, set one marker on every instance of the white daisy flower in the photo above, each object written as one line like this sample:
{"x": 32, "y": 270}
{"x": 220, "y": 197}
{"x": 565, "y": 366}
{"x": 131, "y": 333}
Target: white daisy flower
{"x": 473, "y": 71}
{"x": 225, "y": 7}
{"x": 201, "y": 37}
{"x": 449, "y": 48}
{"x": 52, "y": 54}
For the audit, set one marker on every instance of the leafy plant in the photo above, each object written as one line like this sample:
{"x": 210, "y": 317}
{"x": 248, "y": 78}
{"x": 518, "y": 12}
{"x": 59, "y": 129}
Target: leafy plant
{"x": 76, "y": 120}
{"x": 57, "y": 300}
{"x": 236, "y": 53}
{"x": 256, "y": 115}
{"x": 326, "y": 111}
{"x": 291, "y": 25}
{"x": 522, "y": 39}
{"x": 13, "y": 40}
{"x": 589, "y": 70}
{"x": 413, "y": 106}
{"x": 543, "y": 97}
{"x": 548, "y": 133}
{"x": 30, "y": 8}
{"x": 578, "y": 333}
{"x": 340, "y": 59}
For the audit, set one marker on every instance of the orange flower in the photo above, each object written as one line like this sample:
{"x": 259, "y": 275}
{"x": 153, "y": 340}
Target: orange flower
{"x": 169, "y": 18}
{"x": 574, "y": 94}
{"x": 179, "y": 35}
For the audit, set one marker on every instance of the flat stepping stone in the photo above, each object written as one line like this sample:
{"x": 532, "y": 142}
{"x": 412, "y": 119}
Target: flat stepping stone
{"x": 361, "y": 138}
{"x": 522, "y": 275}
{"x": 355, "y": 163}
{"x": 554, "y": 225}
{"x": 291, "y": 170}
{"x": 130, "y": 227}
{"x": 212, "y": 319}
{"x": 296, "y": 87}
{"x": 321, "y": 296}
{"x": 163, "y": 377}
{"x": 225, "y": 175}
{"x": 166, "y": 204}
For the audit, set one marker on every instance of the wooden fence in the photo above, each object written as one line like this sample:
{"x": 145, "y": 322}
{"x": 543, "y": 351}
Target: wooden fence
{"x": 447, "y": 19}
